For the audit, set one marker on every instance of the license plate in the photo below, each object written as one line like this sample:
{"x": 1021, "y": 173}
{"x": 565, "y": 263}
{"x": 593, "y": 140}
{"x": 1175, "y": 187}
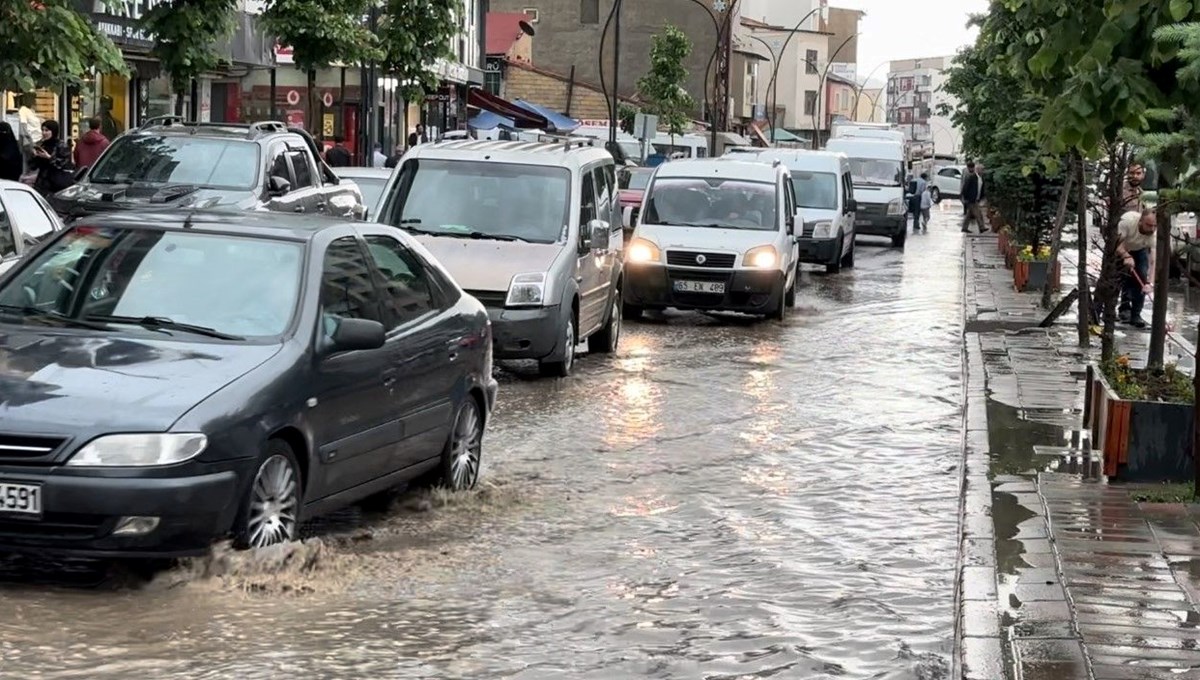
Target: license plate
{"x": 714, "y": 287}
{"x": 20, "y": 499}
{"x": 862, "y": 223}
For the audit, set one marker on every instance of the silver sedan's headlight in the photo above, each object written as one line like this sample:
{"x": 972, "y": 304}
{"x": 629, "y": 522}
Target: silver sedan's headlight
{"x": 139, "y": 450}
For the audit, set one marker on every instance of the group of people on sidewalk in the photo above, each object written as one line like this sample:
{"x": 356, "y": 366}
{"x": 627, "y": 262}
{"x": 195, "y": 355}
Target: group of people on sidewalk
{"x": 920, "y": 199}
{"x": 338, "y": 156}
{"x": 49, "y": 165}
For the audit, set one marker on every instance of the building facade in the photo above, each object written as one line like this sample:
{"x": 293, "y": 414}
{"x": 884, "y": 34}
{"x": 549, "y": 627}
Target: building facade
{"x": 914, "y": 99}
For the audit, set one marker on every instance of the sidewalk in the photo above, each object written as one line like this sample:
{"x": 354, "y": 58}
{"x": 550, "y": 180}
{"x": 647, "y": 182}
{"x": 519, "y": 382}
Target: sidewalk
{"x": 1061, "y": 575}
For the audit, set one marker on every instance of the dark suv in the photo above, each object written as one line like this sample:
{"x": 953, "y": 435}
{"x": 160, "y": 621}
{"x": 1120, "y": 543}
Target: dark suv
{"x": 170, "y": 163}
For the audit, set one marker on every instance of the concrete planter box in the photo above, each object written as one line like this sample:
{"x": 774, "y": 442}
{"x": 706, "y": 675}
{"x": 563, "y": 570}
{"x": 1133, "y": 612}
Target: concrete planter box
{"x": 1010, "y": 255}
{"x": 1140, "y": 441}
{"x": 1002, "y": 242}
{"x": 1031, "y": 276}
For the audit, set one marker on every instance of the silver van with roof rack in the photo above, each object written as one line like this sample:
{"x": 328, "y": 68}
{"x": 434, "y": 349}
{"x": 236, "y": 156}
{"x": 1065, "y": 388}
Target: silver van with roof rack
{"x": 531, "y": 229}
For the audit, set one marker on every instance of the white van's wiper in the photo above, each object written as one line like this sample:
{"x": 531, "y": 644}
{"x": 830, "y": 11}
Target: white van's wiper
{"x": 160, "y": 323}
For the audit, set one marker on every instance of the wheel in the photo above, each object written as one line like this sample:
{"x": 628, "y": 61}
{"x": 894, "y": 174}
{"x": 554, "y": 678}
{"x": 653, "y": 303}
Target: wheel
{"x": 562, "y": 367}
{"x": 899, "y": 239}
{"x": 836, "y": 266}
{"x": 789, "y": 298}
{"x": 272, "y": 503}
{"x": 459, "y": 468}
{"x": 935, "y": 194}
{"x": 605, "y": 340}
{"x": 848, "y": 260}
{"x": 631, "y": 312}
{"x": 779, "y": 311}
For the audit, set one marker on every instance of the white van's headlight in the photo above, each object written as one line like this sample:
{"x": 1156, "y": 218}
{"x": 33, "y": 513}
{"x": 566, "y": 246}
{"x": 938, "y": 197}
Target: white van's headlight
{"x": 526, "y": 290}
{"x": 762, "y": 257}
{"x": 139, "y": 450}
{"x": 823, "y": 230}
{"x": 642, "y": 250}
{"x": 896, "y": 206}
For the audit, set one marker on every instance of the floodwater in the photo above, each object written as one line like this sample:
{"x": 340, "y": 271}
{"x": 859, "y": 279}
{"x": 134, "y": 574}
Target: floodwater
{"x": 723, "y": 499}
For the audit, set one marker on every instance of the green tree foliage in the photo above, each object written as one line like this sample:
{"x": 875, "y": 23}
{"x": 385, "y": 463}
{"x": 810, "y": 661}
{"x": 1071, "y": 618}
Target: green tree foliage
{"x": 50, "y": 43}
{"x": 661, "y": 89}
{"x": 187, "y": 35}
{"x": 413, "y": 34}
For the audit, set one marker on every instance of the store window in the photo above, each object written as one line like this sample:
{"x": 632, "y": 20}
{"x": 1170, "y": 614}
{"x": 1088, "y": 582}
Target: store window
{"x": 161, "y": 100}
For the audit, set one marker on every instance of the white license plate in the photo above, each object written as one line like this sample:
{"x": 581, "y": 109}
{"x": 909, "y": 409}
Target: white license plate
{"x": 20, "y": 499}
{"x": 714, "y": 287}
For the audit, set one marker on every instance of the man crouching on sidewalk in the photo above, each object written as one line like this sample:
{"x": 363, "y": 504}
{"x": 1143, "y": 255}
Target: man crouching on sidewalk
{"x": 1136, "y": 250}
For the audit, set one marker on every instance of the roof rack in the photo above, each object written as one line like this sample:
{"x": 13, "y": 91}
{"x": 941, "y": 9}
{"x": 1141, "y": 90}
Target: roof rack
{"x": 162, "y": 120}
{"x": 569, "y": 141}
{"x": 265, "y": 127}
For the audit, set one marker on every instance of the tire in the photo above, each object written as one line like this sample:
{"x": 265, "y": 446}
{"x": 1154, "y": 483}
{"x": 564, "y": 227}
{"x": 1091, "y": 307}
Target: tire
{"x": 277, "y": 491}
{"x": 899, "y": 239}
{"x": 459, "y": 467}
{"x": 605, "y": 340}
{"x": 935, "y": 194}
{"x": 779, "y": 311}
{"x": 848, "y": 260}
{"x": 631, "y": 312}
{"x": 562, "y": 368}
{"x": 836, "y": 266}
{"x": 789, "y": 298}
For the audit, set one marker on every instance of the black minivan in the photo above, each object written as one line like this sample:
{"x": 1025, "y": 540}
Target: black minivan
{"x": 169, "y": 379}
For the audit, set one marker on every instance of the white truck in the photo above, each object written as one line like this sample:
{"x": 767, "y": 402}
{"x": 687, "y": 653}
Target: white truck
{"x": 877, "y": 168}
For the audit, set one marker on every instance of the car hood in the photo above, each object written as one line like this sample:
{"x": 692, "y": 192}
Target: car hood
{"x": 865, "y": 193}
{"x": 489, "y": 265}
{"x": 817, "y": 214}
{"x": 705, "y": 238}
{"x": 49, "y": 379}
{"x": 86, "y": 198}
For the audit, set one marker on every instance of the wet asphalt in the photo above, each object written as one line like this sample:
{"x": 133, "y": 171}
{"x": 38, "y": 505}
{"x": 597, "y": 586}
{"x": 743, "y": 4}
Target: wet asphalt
{"x": 724, "y": 498}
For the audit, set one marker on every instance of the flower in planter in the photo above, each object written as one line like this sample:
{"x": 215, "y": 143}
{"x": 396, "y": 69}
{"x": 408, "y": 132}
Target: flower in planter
{"x": 1027, "y": 255}
{"x": 1169, "y": 385}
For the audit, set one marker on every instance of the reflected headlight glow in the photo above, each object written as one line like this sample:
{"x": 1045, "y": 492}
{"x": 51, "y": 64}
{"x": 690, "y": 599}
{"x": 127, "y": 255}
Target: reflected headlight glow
{"x": 641, "y": 250}
{"x": 139, "y": 450}
{"x": 762, "y": 257}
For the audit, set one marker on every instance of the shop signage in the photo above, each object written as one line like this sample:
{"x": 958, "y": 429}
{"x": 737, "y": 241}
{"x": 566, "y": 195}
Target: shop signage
{"x": 451, "y": 71}
{"x": 118, "y": 20}
{"x": 293, "y": 97}
{"x": 438, "y": 97}
{"x": 327, "y": 125}
{"x": 327, "y": 100}
{"x": 493, "y": 66}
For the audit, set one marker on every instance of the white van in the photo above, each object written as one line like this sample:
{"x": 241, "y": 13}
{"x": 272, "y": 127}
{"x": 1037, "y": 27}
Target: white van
{"x": 877, "y": 169}
{"x": 825, "y": 199}
{"x": 690, "y": 145}
{"x": 868, "y": 131}
{"x": 714, "y": 235}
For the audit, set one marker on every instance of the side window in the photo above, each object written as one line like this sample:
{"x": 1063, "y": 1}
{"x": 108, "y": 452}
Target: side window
{"x": 603, "y": 194}
{"x": 789, "y": 198}
{"x": 407, "y": 293}
{"x": 29, "y": 214}
{"x": 301, "y": 168}
{"x": 587, "y": 202}
{"x": 278, "y": 167}
{"x": 347, "y": 291}
{"x": 8, "y": 242}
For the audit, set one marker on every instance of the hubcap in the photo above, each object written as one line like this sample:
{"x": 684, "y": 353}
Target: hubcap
{"x": 273, "y": 503}
{"x": 464, "y": 452}
{"x": 569, "y": 354}
{"x": 616, "y": 322}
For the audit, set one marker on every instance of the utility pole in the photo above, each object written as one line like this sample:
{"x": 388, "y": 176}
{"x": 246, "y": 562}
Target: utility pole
{"x": 616, "y": 98}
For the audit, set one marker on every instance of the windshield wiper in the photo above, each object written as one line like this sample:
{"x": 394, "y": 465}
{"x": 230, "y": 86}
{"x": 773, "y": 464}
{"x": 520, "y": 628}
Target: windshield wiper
{"x": 494, "y": 237}
{"x": 50, "y": 315}
{"x": 161, "y": 323}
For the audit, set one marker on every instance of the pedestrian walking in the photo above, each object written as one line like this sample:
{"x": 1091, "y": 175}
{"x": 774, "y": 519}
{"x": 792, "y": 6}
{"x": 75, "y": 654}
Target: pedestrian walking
{"x": 378, "y": 160}
{"x": 1136, "y": 250}
{"x": 916, "y": 189}
{"x": 972, "y": 198}
{"x": 926, "y": 205}
{"x": 338, "y": 156}
{"x": 52, "y": 160}
{"x": 91, "y": 144}
{"x": 12, "y": 161}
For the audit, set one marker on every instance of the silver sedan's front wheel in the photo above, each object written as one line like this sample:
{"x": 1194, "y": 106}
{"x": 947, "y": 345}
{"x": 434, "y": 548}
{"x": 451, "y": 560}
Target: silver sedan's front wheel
{"x": 271, "y": 509}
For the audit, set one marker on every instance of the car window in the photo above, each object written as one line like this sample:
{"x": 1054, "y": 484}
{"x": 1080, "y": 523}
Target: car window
{"x": 948, "y": 172}
{"x": 712, "y": 202}
{"x": 178, "y": 159}
{"x": 847, "y": 189}
{"x": 603, "y": 196}
{"x": 301, "y": 169}
{"x": 587, "y": 202}
{"x": 279, "y": 166}
{"x": 816, "y": 190}
{"x": 28, "y": 213}
{"x": 408, "y": 294}
{"x": 789, "y": 198}
{"x": 8, "y": 242}
{"x": 347, "y": 291}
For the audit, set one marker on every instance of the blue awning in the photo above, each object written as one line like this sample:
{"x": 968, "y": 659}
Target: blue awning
{"x": 486, "y": 120}
{"x": 558, "y": 122}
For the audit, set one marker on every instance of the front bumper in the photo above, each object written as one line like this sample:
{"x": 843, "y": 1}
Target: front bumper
{"x": 879, "y": 225}
{"x": 524, "y": 333}
{"x": 818, "y": 251}
{"x": 747, "y": 291}
{"x": 81, "y": 509}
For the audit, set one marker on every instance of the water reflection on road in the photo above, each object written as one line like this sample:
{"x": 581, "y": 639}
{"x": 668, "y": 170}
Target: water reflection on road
{"x": 722, "y": 499}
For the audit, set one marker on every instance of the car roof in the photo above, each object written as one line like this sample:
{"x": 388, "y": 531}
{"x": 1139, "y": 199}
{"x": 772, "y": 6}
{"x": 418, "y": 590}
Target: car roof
{"x": 748, "y": 170}
{"x": 803, "y": 157}
{"x": 573, "y": 154}
{"x": 9, "y": 184}
{"x": 173, "y": 126}
{"x": 258, "y": 224}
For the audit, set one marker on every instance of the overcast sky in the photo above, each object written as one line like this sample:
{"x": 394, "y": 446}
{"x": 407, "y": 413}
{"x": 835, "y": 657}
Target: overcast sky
{"x": 909, "y": 29}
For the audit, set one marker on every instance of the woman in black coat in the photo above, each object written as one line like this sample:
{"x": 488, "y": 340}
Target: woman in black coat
{"x": 12, "y": 161}
{"x": 52, "y": 159}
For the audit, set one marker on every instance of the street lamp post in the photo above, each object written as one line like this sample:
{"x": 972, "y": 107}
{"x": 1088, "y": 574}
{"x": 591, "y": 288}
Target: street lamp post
{"x": 821, "y": 88}
{"x": 775, "y": 74}
{"x": 861, "y": 86}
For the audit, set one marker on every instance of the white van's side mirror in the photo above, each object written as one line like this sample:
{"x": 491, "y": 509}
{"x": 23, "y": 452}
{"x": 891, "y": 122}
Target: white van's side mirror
{"x": 598, "y": 234}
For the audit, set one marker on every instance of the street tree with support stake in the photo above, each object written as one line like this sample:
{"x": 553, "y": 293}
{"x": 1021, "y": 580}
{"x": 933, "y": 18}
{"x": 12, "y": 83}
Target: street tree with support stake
{"x": 662, "y": 88}
{"x": 412, "y": 35}
{"x": 51, "y": 44}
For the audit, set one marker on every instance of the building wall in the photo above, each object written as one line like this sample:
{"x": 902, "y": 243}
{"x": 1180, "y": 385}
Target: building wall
{"x": 564, "y": 39}
{"x": 872, "y": 105}
{"x": 914, "y": 95}
{"x": 587, "y": 102}
{"x": 840, "y": 100}
{"x": 795, "y": 80}
{"x": 784, "y": 13}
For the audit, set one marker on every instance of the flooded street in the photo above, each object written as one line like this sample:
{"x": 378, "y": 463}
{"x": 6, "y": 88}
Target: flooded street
{"x": 725, "y": 498}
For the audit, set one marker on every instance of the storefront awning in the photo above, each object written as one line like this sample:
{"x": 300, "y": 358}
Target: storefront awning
{"x": 520, "y": 117}
{"x": 486, "y": 120}
{"x": 558, "y": 122}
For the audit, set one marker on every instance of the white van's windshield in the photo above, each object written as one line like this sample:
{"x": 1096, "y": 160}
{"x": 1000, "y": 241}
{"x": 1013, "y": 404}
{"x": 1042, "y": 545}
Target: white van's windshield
{"x": 473, "y": 199}
{"x": 817, "y": 190}
{"x": 712, "y": 202}
{"x": 877, "y": 172}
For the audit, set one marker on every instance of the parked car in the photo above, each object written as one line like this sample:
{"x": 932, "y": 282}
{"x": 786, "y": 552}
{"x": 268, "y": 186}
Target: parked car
{"x": 715, "y": 235}
{"x": 825, "y": 198}
{"x": 946, "y": 182}
{"x": 531, "y": 229}
{"x": 170, "y": 163}
{"x": 371, "y": 182}
{"x": 25, "y": 221}
{"x": 632, "y": 183}
{"x": 173, "y": 379}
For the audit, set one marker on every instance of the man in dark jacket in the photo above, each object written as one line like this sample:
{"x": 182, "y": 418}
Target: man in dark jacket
{"x": 338, "y": 156}
{"x": 972, "y": 198}
{"x": 91, "y": 144}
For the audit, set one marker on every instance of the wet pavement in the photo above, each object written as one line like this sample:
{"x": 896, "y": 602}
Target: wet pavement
{"x": 723, "y": 499}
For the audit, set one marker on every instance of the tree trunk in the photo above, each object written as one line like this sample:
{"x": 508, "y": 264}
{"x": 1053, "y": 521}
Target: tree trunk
{"x": 1196, "y": 419}
{"x": 1060, "y": 219}
{"x": 1109, "y": 287}
{"x": 310, "y": 115}
{"x": 1162, "y": 284}
{"x": 1083, "y": 326}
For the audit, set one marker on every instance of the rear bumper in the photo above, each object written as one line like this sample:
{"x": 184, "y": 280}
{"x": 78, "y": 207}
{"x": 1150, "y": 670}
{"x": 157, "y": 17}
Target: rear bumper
{"x": 81, "y": 512}
{"x": 747, "y": 291}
